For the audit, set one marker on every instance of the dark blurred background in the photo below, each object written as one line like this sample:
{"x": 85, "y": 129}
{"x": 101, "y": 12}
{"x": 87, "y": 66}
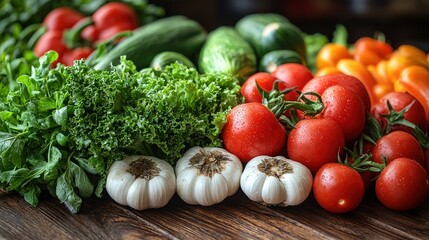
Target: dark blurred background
{"x": 402, "y": 21}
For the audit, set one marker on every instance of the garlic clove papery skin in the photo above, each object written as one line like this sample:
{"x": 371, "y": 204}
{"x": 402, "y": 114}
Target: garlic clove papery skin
{"x": 252, "y": 183}
{"x": 119, "y": 182}
{"x": 301, "y": 181}
{"x": 273, "y": 191}
{"x": 137, "y": 196}
{"x": 185, "y": 185}
{"x": 141, "y": 182}
{"x": 209, "y": 191}
{"x": 276, "y": 181}
{"x": 206, "y": 176}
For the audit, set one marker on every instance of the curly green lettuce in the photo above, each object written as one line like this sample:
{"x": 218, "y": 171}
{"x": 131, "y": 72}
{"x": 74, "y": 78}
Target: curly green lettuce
{"x": 62, "y": 128}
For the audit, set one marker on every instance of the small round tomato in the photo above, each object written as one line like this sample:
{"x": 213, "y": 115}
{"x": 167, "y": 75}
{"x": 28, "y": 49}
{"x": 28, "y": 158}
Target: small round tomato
{"x": 51, "y": 40}
{"x": 81, "y": 53}
{"x": 427, "y": 160}
{"x": 110, "y": 32}
{"x": 321, "y": 83}
{"x": 62, "y": 18}
{"x": 338, "y": 188}
{"x": 397, "y": 144}
{"x": 330, "y": 54}
{"x": 294, "y": 75}
{"x": 315, "y": 142}
{"x": 265, "y": 81}
{"x": 252, "y": 130}
{"x": 113, "y": 13}
{"x": 402, "y": 185}
{"x": 400, "y": 100}
{"x": 345, "y": 107}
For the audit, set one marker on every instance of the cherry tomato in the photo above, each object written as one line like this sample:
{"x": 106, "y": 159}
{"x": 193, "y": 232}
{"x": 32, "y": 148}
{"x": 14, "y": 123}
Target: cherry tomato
{"x": 62, "y": 18}
{"x": 113, "y": 13}
{"x": 252, "y": 130}
{"x": 265, "y": 81}
{"x": 321, "y": 83}
{"x": 338, "y": 188}
{"x": 345, "y": 107}
{"x": 397, "y": 144}
{"x": 315, "y": 142}
{"x": 330, "y": 54}
{"x": 400, "y": 100}
{"x": 114, "y": 30}
{"x": 51, "y": 40}
{"x": 66, "y": 58}
{"x": 402, "y": 185}
{"x": 427, "y": 160}
{"x": 89, "y": 33}
{"x": 294, "y": 75}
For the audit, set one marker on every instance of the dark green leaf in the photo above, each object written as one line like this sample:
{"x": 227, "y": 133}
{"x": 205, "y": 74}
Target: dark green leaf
{"x": 60, "y": 116}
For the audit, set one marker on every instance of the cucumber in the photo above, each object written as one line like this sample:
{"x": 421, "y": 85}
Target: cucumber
{"x": 273, "y": 59}
{"x": 267, "y": 32}
{"x": 175, "y": 33}
{"x": 225, "y": 51}
{"x": 168, "y": 57}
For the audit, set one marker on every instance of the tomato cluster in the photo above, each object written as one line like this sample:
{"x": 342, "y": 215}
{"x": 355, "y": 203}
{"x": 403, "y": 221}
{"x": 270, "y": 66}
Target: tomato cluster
{"x": 350, "y": 146}
{"x": 106, "y": 22}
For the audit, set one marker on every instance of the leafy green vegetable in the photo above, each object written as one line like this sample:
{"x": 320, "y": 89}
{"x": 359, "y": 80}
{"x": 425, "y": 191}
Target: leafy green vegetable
{"x": 314, "y": 42}
{"x": 62, "y": 128}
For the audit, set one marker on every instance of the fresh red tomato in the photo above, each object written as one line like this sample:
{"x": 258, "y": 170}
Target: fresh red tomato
{"x": 345, "y": 107}
{"x": 294, "y": 75}
{"x": 265, "y": 81}
{"x": 252, "y": 130}
{"x": 402, "y": 185}
{"x": 62, "y": 18}
{"x": 51, "y": 40}
{"x": 338, "y": 188}
{"x": 114, "y": 30}
{"x": 114, "y": 13}
{"x": 315, "y": 142}
{"x": 427, "y": 160}
{"x": 66, "y": 58}
{"x": 400, "y": 100}
{"x": 397, "y": 144}
{"x": 81, "y": 53}
{"x": 321, "y": 83}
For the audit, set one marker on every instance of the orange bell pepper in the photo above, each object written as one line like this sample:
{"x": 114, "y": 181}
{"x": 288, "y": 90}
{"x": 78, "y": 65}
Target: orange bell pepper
{"x": 415, "y": 80}
{"x": 412, "y": 51}
{"x": 398, "y": 62}
{"x": 358, "y": 70}
{"x": 330, "y": 54}
{"x": 326, "y": 71}
{"x": 381, "y": 89}
{"x": 370, "y": 51}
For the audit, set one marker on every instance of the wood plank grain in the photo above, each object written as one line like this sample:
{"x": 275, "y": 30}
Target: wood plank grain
{"x": 235, "y": 218}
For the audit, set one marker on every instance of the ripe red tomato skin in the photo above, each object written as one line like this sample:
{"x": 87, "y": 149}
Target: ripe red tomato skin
{"x": 108, "y": 33}
{"x": 249, "y": 90}
{"x": 51, "y": 40}
{"x": 427, "y": 160}
{"x": 315, "y": 142}
{"x": 113, "y": 13}
{"x": 252, "y": 130}
{"x": 338, "y": 188}
{"x": 294, "y": 75}
{"x": 397, "y": 144}
{"x": 400, "y": 100}
{"x": 321, "y": 83}
{"x": 62, "y": 18}
{"x": 402, "y": 185}
{"x": 345, "y": 107}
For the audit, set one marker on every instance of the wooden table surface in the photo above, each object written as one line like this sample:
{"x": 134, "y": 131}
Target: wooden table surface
{"x": 235, "y": 218}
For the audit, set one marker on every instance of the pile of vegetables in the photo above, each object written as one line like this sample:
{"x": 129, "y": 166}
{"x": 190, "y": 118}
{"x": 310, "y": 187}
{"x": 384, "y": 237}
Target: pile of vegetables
{"x": 165, "y": 107}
